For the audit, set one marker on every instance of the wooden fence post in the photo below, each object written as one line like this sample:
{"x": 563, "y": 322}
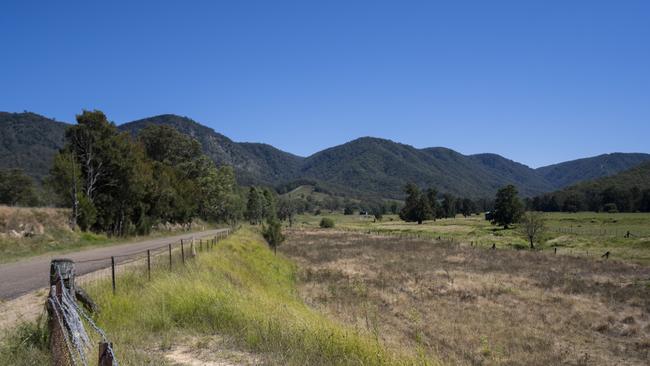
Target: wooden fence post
{"x": 105, "y": 356}
{"x": 170, "y": 257}
{"x": 182, "y": 252}
{"x": 113, "y": 273}
{"x": 149, "y": 264}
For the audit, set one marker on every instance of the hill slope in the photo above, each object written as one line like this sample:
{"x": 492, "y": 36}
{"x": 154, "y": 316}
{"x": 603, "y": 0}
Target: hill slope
{"x": 627, "y": 191}
{"x": 574, "y": 171}
{"x": 254, "y": 163}
{"x": 362, "y": 167}
{"x": 29, "y": 141}
{"x": 382, "y": 167}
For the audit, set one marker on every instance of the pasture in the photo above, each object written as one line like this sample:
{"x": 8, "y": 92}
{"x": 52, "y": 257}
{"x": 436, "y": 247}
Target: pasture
{"x": 584, "y": 234}
{"x": 468, "y": 305}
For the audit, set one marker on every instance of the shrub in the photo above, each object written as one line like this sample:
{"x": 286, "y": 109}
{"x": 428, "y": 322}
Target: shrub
{"x": 326, "y": 223}
{"x": 610, "y": 208}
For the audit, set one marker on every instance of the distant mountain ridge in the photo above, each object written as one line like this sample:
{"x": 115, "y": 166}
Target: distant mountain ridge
{"x": 365, "y": 166}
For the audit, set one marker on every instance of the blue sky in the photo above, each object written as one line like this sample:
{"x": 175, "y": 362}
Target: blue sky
{"x": 536, "y": 81}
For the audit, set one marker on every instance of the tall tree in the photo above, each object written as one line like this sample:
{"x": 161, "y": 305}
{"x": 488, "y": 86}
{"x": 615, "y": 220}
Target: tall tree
{"x": 507, "y": 207}
{"x": 255, "y": 206}
{"x": 417, "y": 207}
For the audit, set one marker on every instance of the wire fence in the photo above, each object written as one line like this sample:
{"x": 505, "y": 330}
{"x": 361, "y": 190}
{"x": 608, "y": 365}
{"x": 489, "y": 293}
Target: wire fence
{"x": 479, "y": 243}
{"x": 70, "y": 342}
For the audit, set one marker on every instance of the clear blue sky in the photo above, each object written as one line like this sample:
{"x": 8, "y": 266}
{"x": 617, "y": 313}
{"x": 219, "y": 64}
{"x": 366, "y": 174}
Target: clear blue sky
{"x": 536, "y": 81}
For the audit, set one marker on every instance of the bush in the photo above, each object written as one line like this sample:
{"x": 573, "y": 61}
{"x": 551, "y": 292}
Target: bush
{"x": 610, "y": 208}
{"x": 326, "y": 223}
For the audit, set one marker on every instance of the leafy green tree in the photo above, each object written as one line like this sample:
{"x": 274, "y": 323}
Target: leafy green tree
{"x": 255, "y": 206}
{"x": 417, "y": 207}
{"x": 269, "y": 204}
{"x": 17, "y": 188}
{"x": 272, "y": 232}
{"x": 507, "y": 207}
{"x": 467, "y": 207}
{"x": 449, "y": 205}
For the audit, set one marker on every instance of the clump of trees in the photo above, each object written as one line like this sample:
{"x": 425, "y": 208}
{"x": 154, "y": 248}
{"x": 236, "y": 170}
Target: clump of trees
{"x": 261, "y": 204}
{"x": 607, "y": 199}
{"x": 17, "y": 189}
{"x": 425, "y": 205}
{"x": 121, "y": 185}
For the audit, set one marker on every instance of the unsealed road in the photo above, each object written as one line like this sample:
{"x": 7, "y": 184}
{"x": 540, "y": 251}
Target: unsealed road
{"x": 31, "y": 274}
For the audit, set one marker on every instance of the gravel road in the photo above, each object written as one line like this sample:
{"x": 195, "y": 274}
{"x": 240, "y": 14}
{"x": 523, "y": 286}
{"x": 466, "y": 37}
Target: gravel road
{"x": 19, "y": 278}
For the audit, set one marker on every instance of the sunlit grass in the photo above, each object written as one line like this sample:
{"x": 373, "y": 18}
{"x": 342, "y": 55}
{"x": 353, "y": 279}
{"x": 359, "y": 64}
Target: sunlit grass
{"x": 241, "y": 290}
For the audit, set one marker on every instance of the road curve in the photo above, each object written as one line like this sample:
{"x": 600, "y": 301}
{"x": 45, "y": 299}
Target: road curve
{"x": 19, "y": 278}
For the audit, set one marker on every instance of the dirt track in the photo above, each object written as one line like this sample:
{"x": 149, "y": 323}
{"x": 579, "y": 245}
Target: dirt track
{"x": 20, "y": 278}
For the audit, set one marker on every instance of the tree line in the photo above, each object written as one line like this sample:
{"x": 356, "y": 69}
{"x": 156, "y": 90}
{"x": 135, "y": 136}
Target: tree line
{"x": 421, "y": 205}
{"x": 609, "y": 199}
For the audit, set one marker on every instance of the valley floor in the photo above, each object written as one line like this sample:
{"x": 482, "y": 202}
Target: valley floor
{"x": 585, "y": 233}
{"x": 476, "y": 306}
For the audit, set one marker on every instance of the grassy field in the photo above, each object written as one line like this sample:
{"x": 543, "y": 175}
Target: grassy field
{"x": 240, "y": 293}
{"x": 52, "y": 233}
{"x": 475, "y": 306}
{"x": 587, "y": 234}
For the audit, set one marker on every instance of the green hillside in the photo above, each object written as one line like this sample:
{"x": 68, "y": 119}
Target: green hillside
{"x": 365, "y": 167}
{"x": 575, "y": 171}
{"x": 627, "y": 191}
{"x": 29, "y": 141}
{"x": 254, "y": 163}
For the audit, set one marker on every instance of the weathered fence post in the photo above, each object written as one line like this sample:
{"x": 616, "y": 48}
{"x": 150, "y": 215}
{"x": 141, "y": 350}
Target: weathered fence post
{"x": 192, "y": 248}
{"x": 61, "y": 279}
{"x": 170, "y": 257}
{"x": 182, "y": 252}
{"x": 105, "y": 355}
{"x": 149, "y": 264}
{"x": 113, "y": 273}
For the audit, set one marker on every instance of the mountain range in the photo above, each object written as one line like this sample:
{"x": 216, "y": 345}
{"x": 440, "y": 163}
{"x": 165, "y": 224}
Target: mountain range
{"x": 366, "y": 166}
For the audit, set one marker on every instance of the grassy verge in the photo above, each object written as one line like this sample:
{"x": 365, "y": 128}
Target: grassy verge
{"x": 239, "y": 290}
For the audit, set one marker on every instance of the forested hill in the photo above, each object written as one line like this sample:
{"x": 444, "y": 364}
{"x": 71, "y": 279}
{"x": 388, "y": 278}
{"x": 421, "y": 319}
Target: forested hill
{"x": 254, "y": 163}
{"x": 626, "y": 191}
{"x": 382, "y": 167}
{"x": 363, "y": 167}
{"x": 574, "y": 171}
{"x": 29, "y": 141}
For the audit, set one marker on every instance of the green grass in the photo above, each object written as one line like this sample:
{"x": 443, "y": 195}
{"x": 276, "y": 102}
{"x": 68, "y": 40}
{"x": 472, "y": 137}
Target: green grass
{"x": 584, "y": 233}
{"x": 239, "y": 290}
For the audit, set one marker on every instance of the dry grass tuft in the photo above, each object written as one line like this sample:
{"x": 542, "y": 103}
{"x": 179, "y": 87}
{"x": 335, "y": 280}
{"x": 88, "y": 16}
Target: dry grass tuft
{"x": 476, "y": 306}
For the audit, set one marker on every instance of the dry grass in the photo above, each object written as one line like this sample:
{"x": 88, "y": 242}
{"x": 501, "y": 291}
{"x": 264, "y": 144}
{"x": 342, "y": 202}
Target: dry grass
{"x": 476, "y": 306}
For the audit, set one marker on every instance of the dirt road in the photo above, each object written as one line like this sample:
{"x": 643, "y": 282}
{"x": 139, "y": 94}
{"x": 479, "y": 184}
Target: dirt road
{"x": 22, "y": 277}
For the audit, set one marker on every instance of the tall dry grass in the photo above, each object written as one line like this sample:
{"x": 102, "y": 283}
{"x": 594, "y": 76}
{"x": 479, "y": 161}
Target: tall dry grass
{"x": 476, "y": 306}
